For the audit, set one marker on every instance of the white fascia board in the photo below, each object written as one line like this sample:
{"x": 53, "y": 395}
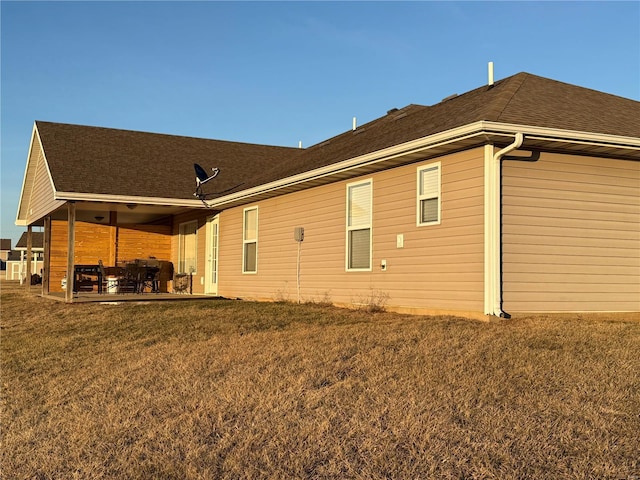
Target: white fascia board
{"x": 93, "y": 197}
{"x": 33, "y": 249}
{"x": 414, "y": 146}
{"x": 431, "y": 141}
{"x": 425, "y": 143}
{"x": 574, "y": 136}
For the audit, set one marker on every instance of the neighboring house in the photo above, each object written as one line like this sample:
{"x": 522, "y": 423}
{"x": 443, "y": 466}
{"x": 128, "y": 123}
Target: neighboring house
{"x": 5, "y": 250}
{"x": 519, "y": 196}
{"x": 17, "y": 261}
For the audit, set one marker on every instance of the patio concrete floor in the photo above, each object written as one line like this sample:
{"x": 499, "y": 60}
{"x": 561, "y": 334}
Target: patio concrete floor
{"x": 93, "y": 297}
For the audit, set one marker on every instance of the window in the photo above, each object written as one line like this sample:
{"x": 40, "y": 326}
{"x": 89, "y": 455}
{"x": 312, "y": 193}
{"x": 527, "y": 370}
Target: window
{"x": 359, "y": 226}
{"x": 187, "y": 247}
{"x": 428, "y": 208}
{"x": 250, "y": 241}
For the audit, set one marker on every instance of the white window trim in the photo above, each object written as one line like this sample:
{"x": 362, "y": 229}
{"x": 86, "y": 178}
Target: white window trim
{"x": 244, "y": 242}
{"x": 419, "y": 197}
{"x": 360, "y": 227}
{"x": 181, "y": 240}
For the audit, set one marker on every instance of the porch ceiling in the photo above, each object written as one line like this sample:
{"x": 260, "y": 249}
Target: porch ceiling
{"x": 100, "y": 212}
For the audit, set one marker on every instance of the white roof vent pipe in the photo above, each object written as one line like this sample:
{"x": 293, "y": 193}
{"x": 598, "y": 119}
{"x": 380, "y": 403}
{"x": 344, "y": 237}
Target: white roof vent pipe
{"x": 490, "y": 74}
{"x": 354, "y": 126}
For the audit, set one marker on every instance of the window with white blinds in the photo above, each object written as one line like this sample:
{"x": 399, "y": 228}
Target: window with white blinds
{"x": 187, "y": 247}
{"x": 428, "y": 208}
{"x": 250, "y": 241}
{"x": 359, "y": 226}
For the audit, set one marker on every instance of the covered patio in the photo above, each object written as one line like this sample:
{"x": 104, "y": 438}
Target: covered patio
{"x": 94, "y": 249}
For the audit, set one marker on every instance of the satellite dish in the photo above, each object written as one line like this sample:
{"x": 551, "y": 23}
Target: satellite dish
{"x": 201, "y": 174}
{"x": 202, "y": 177}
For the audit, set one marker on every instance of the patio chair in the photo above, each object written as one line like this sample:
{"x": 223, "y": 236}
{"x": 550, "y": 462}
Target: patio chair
{"x": 149, "y": 279}
{"x": 130, "y": 280}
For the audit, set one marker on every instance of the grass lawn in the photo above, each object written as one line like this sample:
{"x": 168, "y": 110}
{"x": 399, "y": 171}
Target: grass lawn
{"x": 230, "y": 389}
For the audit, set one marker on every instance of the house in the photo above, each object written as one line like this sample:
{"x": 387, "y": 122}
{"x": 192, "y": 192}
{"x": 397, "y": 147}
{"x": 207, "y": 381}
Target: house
{"x": 16, "y": 267}
{"x": 522, "y": 195}
{"x": 5, "y": 250}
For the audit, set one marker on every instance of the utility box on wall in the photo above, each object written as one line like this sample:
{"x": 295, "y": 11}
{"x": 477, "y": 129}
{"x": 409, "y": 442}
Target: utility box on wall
{"x": 298, "y": 234}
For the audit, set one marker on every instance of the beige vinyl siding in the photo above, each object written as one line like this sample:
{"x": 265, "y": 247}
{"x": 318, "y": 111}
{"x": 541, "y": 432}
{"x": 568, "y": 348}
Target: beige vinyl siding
{"x": 320, "y": 211}
{"x": 439, "y": 268}
{"x": 571, "y": 233}
{"x": 41, "y": 199}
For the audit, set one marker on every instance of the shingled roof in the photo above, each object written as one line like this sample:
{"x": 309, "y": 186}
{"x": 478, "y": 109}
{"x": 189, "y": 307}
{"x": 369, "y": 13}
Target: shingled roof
{"x": 99, "y": 160}
{"x": 37, "y": 241}
{"x": 522, "y": 99}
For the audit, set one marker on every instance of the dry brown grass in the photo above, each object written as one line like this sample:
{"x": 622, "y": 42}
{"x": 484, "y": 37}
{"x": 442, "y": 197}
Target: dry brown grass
{"x": 225, "y": 389}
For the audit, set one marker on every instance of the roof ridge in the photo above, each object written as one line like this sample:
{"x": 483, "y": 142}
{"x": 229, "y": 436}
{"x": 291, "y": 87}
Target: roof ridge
{"x": 159, "y": 134}
{"x": 392, "y": 114}
{"x": 510, "y": 87}
{"x": 573, "y": 85}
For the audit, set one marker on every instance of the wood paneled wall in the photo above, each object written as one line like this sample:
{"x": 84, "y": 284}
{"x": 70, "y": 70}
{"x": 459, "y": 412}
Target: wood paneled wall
{"x": 95, "y": 242}
{"x": 142, "y": 241}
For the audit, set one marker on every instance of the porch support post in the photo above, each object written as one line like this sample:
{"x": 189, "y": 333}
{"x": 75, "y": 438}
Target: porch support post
{"x": 21, "y": 267}
{"x": 29, "y": 255}
{"x": 46, "y": 260}
{"x": 113, "y": 238}
{"x": 71, "y": 231}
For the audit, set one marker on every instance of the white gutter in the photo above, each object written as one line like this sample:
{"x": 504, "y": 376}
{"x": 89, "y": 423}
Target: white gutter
{"x": 99, "y": 197}
{"x": 480, "y": 128}
{"x": 493, "y": 226}
{"x": 439, "y": 139}
{"x": 425, "y": 143}
{"x": 421, "y": 144}
{"x": 476, "y": 129}
{"x": 415, "y": 146}
{"x": 573, "y": 136}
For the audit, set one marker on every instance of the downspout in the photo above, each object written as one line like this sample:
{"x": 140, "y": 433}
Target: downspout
{"x": 493, "y": 231}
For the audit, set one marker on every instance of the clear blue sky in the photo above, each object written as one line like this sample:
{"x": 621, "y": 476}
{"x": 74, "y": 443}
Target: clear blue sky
{"x": 279, "y": 73}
